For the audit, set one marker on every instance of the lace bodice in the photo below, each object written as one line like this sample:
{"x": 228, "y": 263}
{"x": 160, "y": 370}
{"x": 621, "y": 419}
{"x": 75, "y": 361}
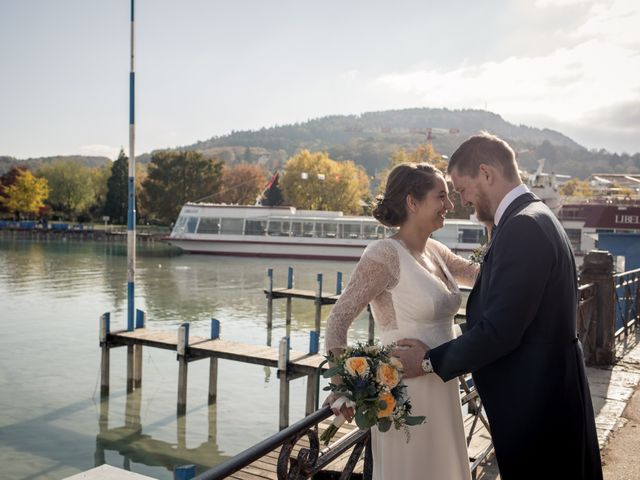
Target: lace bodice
{"x": 409, "y": 295}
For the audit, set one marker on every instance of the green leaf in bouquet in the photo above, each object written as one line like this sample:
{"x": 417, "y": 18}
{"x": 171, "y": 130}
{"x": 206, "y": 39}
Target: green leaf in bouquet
{"x": 384, "y": 424}
{"x": 415, "y": 420}
{"x": 361, "y": 420}
{"x": 331, "y": 372}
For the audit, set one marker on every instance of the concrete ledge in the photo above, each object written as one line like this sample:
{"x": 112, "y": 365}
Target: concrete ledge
{"x": 107, "y": 472}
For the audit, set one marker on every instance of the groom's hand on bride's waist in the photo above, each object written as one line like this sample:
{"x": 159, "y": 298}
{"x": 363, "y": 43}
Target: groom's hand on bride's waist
{"x": 411, "y": 352}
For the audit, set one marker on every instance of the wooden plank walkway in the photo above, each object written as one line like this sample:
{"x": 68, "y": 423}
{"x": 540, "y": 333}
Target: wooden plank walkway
{"x": 299, "y": 362}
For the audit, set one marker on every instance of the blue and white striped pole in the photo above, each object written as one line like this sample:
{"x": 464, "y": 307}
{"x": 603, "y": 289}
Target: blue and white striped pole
{"x": 131, "y": 215}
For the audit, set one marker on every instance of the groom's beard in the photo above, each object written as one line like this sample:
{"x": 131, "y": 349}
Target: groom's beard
{"x": 483, "y": 209}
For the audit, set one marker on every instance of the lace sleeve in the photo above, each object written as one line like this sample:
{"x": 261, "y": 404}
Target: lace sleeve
{"x": 462, "y": 269}
{"x": 377, "y": 271}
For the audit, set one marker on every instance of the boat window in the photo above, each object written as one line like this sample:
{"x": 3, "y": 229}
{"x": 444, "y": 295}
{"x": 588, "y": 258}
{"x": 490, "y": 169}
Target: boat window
{"x": 192, "y": 223}
{"x": 350, "y": 230}
{"x": 231, "y": 226}
{"x": 470, "y": 235}
{"x": 302, "y": 229}
{"x": 255, "y": 227}
{"x": 327, "y": 230}
{"x": 179, "y": 226}
{"x": 373, "y": 231}
{"x": 209, "y": 225}
{"x": 279, "y": 228}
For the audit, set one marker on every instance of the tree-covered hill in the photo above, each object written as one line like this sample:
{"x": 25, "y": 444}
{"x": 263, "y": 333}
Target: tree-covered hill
{"x": 35, "y": 163}
{"x": 370, "y": 139}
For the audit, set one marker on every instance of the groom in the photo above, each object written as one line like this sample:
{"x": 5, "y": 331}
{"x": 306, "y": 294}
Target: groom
{"x": 520, "y": 343}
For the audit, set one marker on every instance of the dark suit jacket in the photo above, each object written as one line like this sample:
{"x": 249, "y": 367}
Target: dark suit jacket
{"x": 522, "y": 349}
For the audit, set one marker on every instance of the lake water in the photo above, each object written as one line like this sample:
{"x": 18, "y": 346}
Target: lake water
{"x": 51, "y": 296}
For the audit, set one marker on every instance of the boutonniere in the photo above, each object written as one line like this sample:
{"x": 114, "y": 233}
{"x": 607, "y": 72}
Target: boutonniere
{"x": 477, "y": 256}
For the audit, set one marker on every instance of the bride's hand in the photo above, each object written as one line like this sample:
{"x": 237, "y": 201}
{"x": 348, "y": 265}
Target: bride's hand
{"x": 347, "y": 412}
{"x": 411, "y": 352}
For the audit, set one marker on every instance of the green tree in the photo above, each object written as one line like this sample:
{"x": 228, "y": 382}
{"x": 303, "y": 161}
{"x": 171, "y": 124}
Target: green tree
{"x": 313, "y": 181}
{"x": 71, "y": 187}
{"x": 116, "y": 202}
{"x": 177, "y": 177}
{"x": 26, "y": 195}
{"x": 241, "y": 184}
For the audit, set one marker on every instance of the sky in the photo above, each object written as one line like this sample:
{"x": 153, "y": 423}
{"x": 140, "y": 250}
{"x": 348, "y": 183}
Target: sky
{"x": 205, "y": 68}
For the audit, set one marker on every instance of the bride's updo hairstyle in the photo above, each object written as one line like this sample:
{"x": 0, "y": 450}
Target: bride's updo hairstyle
{"x": 415, "y": 179}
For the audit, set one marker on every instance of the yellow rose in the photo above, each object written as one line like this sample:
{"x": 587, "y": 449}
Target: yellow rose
{"x": 388, "y": 375}
{"x": 357, "y": 366}
{"x": 391, "y": 404}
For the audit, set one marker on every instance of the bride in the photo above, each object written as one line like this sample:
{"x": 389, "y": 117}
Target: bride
{"x": 410, "y": 281}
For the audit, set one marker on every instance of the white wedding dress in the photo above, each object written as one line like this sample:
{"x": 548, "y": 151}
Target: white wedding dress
{"x": 412, "y": 297}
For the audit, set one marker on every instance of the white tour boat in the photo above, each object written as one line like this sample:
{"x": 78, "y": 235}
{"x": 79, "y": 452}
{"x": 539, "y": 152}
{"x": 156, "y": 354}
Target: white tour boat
{"x": 286, "y": 232}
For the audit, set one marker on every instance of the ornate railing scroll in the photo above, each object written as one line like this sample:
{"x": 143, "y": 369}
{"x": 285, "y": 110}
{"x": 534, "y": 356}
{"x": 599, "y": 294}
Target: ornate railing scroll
{"x": 586, "y": 318}
{"x": 309, "y": 459}
{"x": 627, "y": 293}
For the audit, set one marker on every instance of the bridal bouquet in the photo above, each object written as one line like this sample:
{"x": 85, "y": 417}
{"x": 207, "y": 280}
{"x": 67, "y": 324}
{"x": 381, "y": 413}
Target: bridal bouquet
{"x": 372, "y": 385}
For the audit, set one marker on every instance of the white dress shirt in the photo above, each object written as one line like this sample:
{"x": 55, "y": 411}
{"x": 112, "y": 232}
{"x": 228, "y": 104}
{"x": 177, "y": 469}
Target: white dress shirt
{"x": 508, "y": 200}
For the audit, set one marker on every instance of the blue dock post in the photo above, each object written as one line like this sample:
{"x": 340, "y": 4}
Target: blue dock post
{"x": 141, "y": 318}
{"x": 339, "y": 283}
{"x": 184, "y": 472}
{"x": 269, "y": 298}
{"x": 318, "y": 301}
{"x": 314, "y": 341}
{"x": 183, "y": 345}
{"x": 283, "y": 365}
{"x": 289, "y": 300}
{"x": 213, "y": 365}
{"x": 105, "y": 328}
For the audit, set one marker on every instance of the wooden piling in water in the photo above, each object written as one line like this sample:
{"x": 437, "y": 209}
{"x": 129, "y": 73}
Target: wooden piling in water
{"x": 318, "y": 301}
{"x": 183, "y": 344}
{"x": 105, "y": 326}
{"x": 213, "y": 365}
{"x": 283, "y": 361}
{"x": 269, "y": 298}
{"x": 289, "y": 300}
{"x": 141, "y": 318}
{"x": 312, "y": 380}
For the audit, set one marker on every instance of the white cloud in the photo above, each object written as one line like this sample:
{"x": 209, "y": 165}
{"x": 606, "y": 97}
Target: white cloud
{"x": 567, "y": 85}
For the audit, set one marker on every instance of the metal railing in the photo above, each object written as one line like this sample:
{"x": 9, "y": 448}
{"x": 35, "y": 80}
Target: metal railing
{"x": 309, "y": 460}
{"x": 627, "y": 301}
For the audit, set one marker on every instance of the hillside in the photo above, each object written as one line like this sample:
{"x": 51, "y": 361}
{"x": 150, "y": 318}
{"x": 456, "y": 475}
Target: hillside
{"x": 370, "y": 139}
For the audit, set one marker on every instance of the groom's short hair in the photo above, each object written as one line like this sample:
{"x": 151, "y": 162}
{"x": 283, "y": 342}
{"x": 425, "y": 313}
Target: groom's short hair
{"x": 484, "y": 148}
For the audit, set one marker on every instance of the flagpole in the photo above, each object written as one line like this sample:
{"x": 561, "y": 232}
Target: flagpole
{"x": 131, "y": 208}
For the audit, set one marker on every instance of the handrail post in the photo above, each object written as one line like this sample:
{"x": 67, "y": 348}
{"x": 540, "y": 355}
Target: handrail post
{"x": 597, "y": 268}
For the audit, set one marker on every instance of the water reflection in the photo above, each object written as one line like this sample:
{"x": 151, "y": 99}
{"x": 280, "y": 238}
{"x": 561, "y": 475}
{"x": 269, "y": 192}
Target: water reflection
{"x": 134, "y": 445}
